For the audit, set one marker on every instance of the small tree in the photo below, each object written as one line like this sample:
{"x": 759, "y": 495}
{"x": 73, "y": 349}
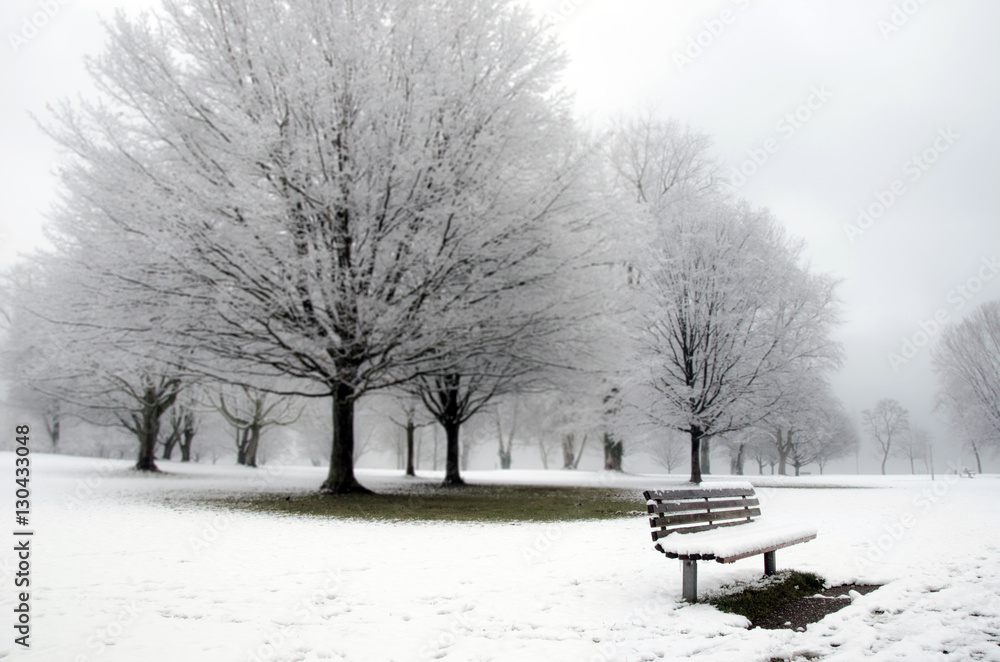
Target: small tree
{"x": 886, "y": 424}
{"x": 505, "y": 442}
{"x": 409, "y": 424}
{"x": 250, "y": 413}
{"x": 668, "y": 452}
{"x": 913, "y": 446}
{"x": 183, "y": 428}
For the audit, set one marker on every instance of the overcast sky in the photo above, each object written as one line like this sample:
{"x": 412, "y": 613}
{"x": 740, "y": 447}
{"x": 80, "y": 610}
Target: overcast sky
{"x": 818, "y": 110}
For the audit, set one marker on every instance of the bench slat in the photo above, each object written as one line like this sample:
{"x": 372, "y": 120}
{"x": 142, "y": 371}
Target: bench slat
{"x": 675, "y": 507}
{"x": 789, "y": 543}
{"x": 704, "y": 492}
{"x": 660, "y": 533}
{"x": 713, "y": 516}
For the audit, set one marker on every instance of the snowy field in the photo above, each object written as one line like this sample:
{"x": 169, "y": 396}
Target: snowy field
{"x": 126, "y": 568}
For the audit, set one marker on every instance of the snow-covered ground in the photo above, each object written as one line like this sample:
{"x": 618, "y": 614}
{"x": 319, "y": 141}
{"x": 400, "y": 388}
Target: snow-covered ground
{"x": 125, "y": 568}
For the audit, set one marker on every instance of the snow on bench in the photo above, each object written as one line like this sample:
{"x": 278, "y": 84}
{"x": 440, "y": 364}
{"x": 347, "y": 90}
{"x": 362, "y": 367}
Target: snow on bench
{"x": 720, "y": 522}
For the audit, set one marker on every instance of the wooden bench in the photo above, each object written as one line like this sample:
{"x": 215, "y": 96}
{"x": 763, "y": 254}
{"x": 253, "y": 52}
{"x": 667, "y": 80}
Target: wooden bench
{"x": 720, "y": 522}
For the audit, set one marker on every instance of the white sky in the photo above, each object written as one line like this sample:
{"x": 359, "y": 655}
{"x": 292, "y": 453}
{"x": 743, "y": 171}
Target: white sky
{"x": 890, "y": 96}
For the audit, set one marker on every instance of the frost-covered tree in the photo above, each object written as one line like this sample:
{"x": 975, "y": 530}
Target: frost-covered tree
{"x": 809, "y": 424}
{"x": 408, "y": 420}
{"x": 251, "y": 411}
{"x": 967, "y": 361}
{"x": 885, "y": 425}
{"x": 183, "y": 426}
{"x": 971, "y": 429}
{"x": 727, "y": 313}
{"x": 336, "y": 179}
{"x": 83, "y": 335}
{"x": 842, "y": 440}
{"x": 913, "y": 446}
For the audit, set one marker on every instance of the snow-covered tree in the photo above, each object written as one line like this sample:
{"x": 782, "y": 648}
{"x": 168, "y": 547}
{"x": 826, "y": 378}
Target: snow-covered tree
{"x": 809, "y": 424}
{"x": 83, "y": 336}
{"x": 252, "y": 411}
{"x": 727, "y": 312}
{"x": 842, "y": 439}
{"x": 183, "y": 426}
{"x": 913, "y": 446}
{"x": 886, "y": 424}
{"x": 669, "y": 450}
{"x": 967, "y": 361}
{"x": 336, "y": 179}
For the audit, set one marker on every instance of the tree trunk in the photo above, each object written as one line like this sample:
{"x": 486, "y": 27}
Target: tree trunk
{"x": 706, "y": 456}
{"x": 155, "y": 401}
{"x": 738, "y": 464}
{"x": 148, "y": 433}
{"x": 450, "y": 417}
{"x": 242, "y": 439}
{"x": 147, "y": 451}
{"x": 505, "y": 451}
{"x": 567, "y": 450}
{"x": 168, "y": 445}
{"x": 544, "y": 453}
{"x": 504, "y": 458}
{"x": 187, "y": 437}
{"x": 452, "y": 475}
{"x": 410, "y": 428}
{"x": 695, "y": 454}
{"x": 53, "y": 427}
{"x": 252, "y": 444}
{"x": 979, "y": 462}
{"x": 340, "y": 479}
{"x": 784, "y": 447}
{"x": 579, "y": 452}
{"x": 613, "y": 451}
{"x": 885, "y": 458}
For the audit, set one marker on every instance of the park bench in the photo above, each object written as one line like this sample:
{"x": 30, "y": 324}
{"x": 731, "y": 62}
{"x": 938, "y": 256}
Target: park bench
{"x": 720, "y": 522}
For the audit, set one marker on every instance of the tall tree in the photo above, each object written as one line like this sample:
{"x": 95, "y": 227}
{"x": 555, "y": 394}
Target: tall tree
{"x": 729, "y": 317}
{"x": 727, "y": 311}
{"x": 885, "y": 424}
{"x": 336, "y": 178}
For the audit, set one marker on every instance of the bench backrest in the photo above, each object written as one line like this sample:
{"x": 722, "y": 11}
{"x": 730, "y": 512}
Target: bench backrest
{"x": 692, "y": 509}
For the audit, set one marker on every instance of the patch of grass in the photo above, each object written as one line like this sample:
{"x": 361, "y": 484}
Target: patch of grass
{"x": 754, "y": 599}
{"x": 480, "y": 503}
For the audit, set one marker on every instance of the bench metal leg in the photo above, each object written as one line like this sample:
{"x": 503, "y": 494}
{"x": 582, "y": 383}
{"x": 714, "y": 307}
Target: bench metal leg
{"x": 770, "y": 565}
{"x": 690, "y": 572}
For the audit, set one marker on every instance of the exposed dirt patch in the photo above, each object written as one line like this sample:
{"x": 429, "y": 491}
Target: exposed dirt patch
{"x": 800, "y": 613}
